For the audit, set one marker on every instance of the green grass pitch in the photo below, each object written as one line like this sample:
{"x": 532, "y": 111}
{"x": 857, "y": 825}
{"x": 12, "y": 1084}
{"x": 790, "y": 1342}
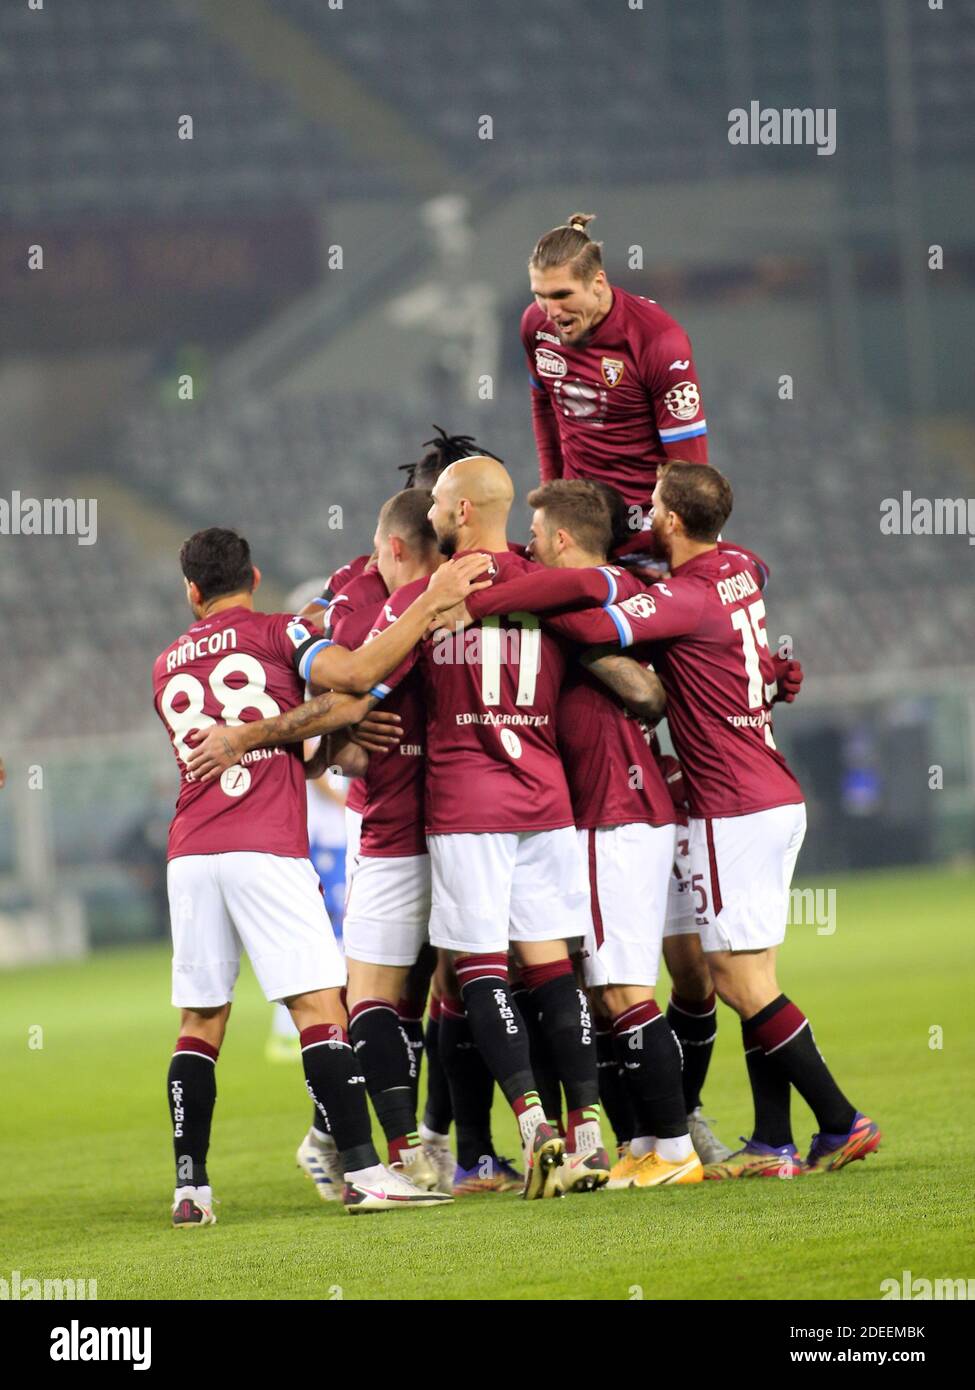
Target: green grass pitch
{"x": 87, "y": 1167}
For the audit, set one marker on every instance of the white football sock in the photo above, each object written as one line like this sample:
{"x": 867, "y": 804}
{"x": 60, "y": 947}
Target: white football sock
{"x": 431, "y": 1135}
{"x": 377, "y": 1173}
{"x": 202, "y": 1195}
{"x": 642, "y": 1145}
{"x": 675, "y": 1150}
{"x": 528, "y": 1122}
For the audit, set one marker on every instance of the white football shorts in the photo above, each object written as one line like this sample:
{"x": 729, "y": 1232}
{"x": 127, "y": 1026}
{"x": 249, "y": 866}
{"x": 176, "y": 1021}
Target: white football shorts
{"x": 741, "y": 869}
{"x": 353, "y": 835}
{"x": 680, "y": 901}
{"x": 268, "y": 905}
{"x": 387, "y": 915}
{"x": 495, "y": 887}
{"x": 630, "y": 867}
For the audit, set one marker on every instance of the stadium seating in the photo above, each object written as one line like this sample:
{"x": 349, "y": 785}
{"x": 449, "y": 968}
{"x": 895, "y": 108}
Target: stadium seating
{"x": 89, "y": 115}
{"x": 90, "y": 118}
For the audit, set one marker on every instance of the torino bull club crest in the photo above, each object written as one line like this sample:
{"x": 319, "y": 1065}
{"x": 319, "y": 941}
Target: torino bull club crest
{"x": 612, "y": 369}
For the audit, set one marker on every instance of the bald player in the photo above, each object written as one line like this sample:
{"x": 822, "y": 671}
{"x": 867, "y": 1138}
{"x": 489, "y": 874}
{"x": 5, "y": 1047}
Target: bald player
{"x": 503, "y": 850}
{"x": 505, "y": 865}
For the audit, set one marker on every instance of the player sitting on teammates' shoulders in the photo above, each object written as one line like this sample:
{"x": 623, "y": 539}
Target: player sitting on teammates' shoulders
{"x": 614, "y": 390}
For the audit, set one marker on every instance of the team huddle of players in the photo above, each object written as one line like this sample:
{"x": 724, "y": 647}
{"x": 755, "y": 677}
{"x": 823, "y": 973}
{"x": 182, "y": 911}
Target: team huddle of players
{"x": 519, "y": 847}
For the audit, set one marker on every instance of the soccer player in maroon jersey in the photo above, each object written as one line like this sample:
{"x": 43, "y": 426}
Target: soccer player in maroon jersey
{"x": 388, "y": 908}
{"x": 747, "y": 815}
{"x": 614, "y": 390}
{"x": 625, "y": 819}
{"x": 239, "y": 872}
{"x": 691, "y": 1011}
{"x": 502, "y": 843}
{"x": 388, "y": 912}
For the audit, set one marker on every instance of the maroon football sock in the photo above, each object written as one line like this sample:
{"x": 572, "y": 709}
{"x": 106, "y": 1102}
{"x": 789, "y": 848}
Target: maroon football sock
{"x": 192, "y": 1090}
{"x": 566, "y": 1024}
{"x": 650, "y": 1058}
{"x": 337, "y": 1087}
{"x": 614, "y": 1095}
{"x": 383, "y": 1054}
{"x": 785, "y": 1037}
{"x": 695, "y": 1025}
{"x": 496, "y": 1025}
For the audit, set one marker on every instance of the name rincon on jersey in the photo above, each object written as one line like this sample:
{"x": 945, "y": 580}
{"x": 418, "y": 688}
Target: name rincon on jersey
{"x": 203, "y": 646}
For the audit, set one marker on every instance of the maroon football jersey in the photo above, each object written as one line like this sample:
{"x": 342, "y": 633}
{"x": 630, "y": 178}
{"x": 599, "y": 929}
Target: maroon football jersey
{"x": 232, "y": 668}
{"x": 340, "y": 579}
{"x": 391, "y": 792}
{"x": 610, "y": 762}
{"x": 364, "y": 589}
{"x": 491, "y": 692}
{"x": 618, "y": 407}
{"x": 707, "y": 626}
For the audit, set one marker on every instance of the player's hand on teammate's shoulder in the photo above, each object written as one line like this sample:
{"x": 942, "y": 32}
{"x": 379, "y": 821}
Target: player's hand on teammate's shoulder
{"x": 313, "y": 615}
{"x": 219, "y": 749}
{"x": 460, "y": 576}
{"x": 378, "y": 731}
{"x": 451, "y": 619}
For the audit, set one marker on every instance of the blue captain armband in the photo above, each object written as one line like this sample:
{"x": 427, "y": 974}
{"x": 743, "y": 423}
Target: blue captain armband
{"x": 613, "y": 587}
{"x": 306, "y": 654}
{"x": 621, "y": 624}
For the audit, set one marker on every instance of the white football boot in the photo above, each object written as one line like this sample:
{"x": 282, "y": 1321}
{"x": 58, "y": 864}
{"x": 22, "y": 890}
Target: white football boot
{"x": 319, "y": 1158}
{"x": 193, "y": 1206}
{"x": 384, "y": 1189}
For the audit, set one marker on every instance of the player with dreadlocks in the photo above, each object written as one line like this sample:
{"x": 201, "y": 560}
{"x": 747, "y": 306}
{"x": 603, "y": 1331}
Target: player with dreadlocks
{"x": 459, "y": 1085}
{"x": 443, "y": 450}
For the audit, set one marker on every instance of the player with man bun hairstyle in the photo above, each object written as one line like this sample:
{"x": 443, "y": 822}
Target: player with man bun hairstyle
{"x": 614, "y": 388}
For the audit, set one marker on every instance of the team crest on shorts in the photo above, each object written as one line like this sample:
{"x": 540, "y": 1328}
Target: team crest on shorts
{"x": 612, "y": 369}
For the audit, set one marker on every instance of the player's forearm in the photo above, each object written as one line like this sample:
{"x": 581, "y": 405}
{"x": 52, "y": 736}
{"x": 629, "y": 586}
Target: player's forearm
{"x": 546, "y": 430}
{"x": 360, "y": 670}
{"x": 640, "y": 690}
{"x": 346, "y": 756}
{"x": 542, "y": 591}
{"x": 322, "y": 715}
{"x": 590, "y": 627}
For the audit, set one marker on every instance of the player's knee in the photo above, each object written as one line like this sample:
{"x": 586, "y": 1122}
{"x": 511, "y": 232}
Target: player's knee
{"x": 539, "y": 952}
{"x": 208, "y": 1024}
{"x": 618, "y": 998}
{"x": 367, "y": 981}
{"x": 729, "y": 992}
{"x": 688, "y": 967}
{"x": 320, "y": 1006}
